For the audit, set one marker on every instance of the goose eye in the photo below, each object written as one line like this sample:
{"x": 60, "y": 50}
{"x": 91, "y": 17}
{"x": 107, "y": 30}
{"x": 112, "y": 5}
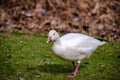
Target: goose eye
{"x": 54, "y": 34}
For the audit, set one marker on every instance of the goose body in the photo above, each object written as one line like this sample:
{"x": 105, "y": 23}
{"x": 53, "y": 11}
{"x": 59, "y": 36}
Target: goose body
{"x": 73, "y": 46}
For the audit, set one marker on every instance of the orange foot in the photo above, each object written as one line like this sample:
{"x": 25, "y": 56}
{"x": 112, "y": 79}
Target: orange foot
{"x": 74, "y": 73}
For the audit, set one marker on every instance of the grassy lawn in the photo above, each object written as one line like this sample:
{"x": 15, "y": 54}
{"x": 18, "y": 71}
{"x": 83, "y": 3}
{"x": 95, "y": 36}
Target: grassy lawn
{"x": 28, "y": 57}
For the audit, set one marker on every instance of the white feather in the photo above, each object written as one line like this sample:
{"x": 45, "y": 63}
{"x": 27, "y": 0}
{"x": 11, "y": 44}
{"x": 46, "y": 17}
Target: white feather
{"x": 74, "y": 46}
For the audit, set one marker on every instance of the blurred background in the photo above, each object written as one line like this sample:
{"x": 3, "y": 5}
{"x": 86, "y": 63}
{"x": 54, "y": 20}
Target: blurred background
{"x": 91, "y": 17}
{"x": 24, "y": 25}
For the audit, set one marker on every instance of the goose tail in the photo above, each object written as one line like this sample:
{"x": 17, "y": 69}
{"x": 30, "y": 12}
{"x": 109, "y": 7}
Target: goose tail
{"x": 103, "y": 42}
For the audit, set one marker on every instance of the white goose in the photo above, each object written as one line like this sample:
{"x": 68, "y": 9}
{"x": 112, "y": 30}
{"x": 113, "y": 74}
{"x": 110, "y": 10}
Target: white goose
{"x": 73, "y": 47}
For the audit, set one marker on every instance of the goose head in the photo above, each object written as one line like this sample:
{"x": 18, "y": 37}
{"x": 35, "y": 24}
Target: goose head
{"x": 52, "y": 36}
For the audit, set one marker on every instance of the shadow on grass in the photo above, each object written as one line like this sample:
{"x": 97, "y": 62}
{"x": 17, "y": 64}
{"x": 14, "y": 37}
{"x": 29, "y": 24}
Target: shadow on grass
{"x": 55, "y": 68}
{"x": 52, "y": 68}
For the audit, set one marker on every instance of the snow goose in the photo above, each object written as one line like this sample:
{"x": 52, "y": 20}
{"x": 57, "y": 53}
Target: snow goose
{"x": 73, "y": 47}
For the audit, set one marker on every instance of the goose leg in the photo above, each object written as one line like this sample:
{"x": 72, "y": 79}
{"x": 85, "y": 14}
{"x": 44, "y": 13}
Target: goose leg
{"x": 73, "y": 64}
{"x": 75, "y": 72}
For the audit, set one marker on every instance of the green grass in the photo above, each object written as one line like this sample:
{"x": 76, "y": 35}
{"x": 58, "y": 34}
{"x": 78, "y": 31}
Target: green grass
{"x": 28, "y": 57}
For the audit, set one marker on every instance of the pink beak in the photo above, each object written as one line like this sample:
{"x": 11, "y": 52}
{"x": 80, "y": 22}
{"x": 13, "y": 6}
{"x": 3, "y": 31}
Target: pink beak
{"x": 48, "y": 39}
